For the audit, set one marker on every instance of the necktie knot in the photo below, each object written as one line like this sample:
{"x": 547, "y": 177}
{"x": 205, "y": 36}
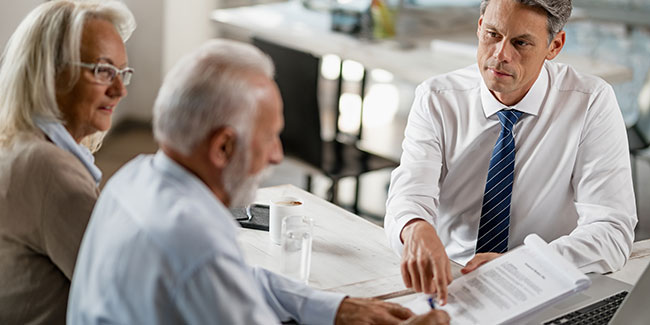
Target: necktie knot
{"x": 508, "y": 118}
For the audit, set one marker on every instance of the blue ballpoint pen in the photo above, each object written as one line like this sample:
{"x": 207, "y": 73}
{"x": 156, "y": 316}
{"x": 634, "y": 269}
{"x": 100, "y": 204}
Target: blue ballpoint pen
{"x": 432, "y": 303}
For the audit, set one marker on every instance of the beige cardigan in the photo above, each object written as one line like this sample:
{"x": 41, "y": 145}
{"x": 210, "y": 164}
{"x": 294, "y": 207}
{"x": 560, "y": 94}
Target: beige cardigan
{"x": 46, "y": 198}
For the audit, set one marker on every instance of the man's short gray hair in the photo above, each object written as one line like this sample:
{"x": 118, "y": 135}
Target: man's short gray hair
{"x": 557, "y": 13}
{"x": 43, "y": 45}
{"x": 208, "y": 89}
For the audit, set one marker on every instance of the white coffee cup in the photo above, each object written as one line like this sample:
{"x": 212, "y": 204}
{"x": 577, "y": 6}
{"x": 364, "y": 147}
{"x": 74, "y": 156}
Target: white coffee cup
{"x": 279, "y": 208}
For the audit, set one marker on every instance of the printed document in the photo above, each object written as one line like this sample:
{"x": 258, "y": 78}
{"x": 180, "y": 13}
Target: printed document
{"x": 525, "y": 279}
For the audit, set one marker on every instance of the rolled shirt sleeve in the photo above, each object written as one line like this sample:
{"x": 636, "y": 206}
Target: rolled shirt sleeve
{"x": 414, "y": 187}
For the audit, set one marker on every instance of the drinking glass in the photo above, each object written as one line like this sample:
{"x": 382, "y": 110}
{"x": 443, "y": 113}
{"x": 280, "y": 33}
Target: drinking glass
{"x": 297, "y": 232}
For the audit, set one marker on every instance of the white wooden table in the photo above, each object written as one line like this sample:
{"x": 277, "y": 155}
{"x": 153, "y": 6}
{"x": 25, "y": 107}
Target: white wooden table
{"x": 349, "y": 254}
{"x": 290, "y": 24}
{"x": 352, "y": 256}
{"x": 639, "y": 260}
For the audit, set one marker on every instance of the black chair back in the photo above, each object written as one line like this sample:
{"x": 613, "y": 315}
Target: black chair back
{"x": 643, "y": 101}
{"x": 296, "y": 74}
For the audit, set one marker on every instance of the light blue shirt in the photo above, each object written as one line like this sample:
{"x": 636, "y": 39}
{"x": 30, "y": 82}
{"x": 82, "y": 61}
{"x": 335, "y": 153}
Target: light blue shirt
{"x": 57, "y": 133}
{"x": 160, "y": 248}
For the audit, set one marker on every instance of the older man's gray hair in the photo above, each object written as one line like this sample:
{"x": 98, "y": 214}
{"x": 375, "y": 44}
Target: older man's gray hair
{"x": 557, "y": 12}
{"x": 209, "y": 89}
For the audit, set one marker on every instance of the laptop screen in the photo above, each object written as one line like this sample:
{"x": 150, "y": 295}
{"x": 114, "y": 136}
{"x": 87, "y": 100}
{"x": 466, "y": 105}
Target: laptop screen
{"x": 634, "y": 309}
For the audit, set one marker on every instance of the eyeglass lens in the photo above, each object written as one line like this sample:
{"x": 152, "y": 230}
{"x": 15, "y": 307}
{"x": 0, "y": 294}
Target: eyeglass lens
{"x": 106, "y": 73}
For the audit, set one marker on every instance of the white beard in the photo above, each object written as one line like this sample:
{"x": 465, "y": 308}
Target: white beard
{"x": 241, "y": 187}
{"x": 244, "y": 193}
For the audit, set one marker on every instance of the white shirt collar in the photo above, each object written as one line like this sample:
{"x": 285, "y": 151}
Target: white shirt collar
{"x": 530, "y": 104}
{"x": 58, "y": 134}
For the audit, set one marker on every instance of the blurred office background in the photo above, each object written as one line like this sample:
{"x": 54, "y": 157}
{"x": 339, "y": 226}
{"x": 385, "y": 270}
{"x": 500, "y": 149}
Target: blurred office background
{"x": 614, "y": 31}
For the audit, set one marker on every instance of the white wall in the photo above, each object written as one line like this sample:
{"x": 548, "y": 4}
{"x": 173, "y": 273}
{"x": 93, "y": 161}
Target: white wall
{"x": 145, "y": 52}
{"x": 166, "y": 31}
{"x": 186, "y": 28}
{"x": 11, "y": 13}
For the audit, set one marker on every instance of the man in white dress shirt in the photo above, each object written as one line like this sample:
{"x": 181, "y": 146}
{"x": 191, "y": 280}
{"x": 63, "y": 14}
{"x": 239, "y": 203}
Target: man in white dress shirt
{"x": 161, "y": 244}
{"x": 567, "y": 176}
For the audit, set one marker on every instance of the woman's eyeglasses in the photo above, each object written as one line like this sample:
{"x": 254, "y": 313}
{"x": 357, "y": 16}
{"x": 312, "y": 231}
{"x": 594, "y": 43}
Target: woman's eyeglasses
{"x": 105, "y": 73}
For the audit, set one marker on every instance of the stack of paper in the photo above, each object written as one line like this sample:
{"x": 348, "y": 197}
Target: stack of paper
{"x": 522, "y": 281}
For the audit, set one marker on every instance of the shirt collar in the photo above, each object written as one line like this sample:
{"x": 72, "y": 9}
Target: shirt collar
{"x": 58, "y": 134}
{"x": 163, "y": 163}
{"x": 530, "y": 104}
{"x": 168, "y": 166}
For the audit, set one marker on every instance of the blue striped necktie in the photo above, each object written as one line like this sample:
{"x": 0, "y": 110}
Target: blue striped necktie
{"x": 495, "y": 212}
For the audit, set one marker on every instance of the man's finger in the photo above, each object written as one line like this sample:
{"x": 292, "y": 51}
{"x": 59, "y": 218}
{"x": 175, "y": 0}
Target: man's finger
{"x": 441, "y": 316}
{"x": 434, "y": 280}
{"x": 415, "y": 276}
{"x": 441, "y": 282}
{"x": 478, "y": 260}
{"x": 385, "y": 318}
{"x": 433, "y": 317}
{"x": 433, "y": 287}
{"x": 399, "y": 311}
{"x": 406, "y": 277}
{"x": 469, "y": 267}
{"x": 426, "y": 275}
{"x": 474, "y": 263}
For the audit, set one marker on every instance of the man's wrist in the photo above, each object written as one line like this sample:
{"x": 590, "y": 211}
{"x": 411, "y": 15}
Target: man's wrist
{"x": 407, "y": 230}
{"x": 339, "y": 314}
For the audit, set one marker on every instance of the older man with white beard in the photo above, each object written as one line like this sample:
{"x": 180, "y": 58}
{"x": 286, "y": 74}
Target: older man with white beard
{"x": 160, "y": 247}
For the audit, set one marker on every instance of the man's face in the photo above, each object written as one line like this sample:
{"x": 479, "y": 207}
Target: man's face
{"x": 266, "y": 147}
{"x": 247, "y": 169}
{"x": 512, "y": 47}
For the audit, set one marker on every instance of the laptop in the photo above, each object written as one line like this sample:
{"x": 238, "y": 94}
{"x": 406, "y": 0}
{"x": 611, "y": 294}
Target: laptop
{"x": 606, "y": 301}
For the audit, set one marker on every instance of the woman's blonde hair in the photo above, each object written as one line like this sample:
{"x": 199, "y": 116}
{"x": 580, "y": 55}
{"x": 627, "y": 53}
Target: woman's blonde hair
{"x": 44, "y": 43}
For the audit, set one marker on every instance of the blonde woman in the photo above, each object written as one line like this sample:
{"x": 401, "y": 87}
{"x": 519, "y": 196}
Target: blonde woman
{"x": 63, "y": 73}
